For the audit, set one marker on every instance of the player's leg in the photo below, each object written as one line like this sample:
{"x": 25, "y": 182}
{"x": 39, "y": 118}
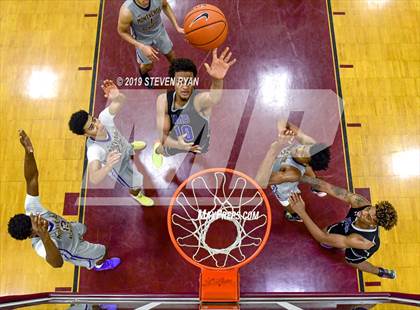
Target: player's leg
{"x": 365, "y": 266}
{"x": 134, "y": 180}
{"x": 92, "y": 256}
{"x": 170, "y": 56}
{"x": 164, "y": 44}
{"x": 145, "y": 65}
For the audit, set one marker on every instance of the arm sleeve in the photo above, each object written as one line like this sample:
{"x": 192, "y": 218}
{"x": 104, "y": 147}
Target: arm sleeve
{"x": 95, "y": 152}
{"x": 106, "y": 118}
{"x": 33, "y": 205}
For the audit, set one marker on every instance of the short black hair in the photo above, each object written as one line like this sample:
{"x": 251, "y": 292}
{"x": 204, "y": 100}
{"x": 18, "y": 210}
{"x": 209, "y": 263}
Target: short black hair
{"x": 20, "y": 226}
{"x": 320, "y": 156}
{"x": 182, "y": 64}
{"x": 78, "y": 121}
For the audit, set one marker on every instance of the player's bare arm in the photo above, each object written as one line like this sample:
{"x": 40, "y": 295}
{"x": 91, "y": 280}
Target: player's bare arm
{"x": 112, "y": 92}
{"x": 98, "y": 172}
{"x": 265, "y": 176}
{"x": 355, "y": 200}
{"x": 30, "y": 168}
{"x": 338, "y": 241}
{"x": 217, "y": 71}
{"x": 124, "y": 23}
{"x": 167, "y": 9}
{"x": 40, "y": 228}
{"x": 291, "y": 129}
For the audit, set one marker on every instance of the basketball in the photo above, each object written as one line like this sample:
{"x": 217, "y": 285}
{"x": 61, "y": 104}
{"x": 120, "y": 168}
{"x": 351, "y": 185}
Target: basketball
{"x": 205, "y": 27}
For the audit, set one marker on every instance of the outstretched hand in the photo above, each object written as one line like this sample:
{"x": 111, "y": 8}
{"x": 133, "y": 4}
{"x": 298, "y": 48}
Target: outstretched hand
{"x": 112, "y": 159}
{"x": 220, "y": 65}
{"x": 188, "y": 146}
{"x": 111, "y": 90}
{"x": 297, "y": 204}
{"x": 25, "y": 141}
{"x": 39, "y": 225}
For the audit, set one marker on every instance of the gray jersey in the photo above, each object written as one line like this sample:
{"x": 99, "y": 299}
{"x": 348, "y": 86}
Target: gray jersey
{"x": 147, "y": 23}
{"x": 284, "y": 190}
{"x": 67, "y": 236}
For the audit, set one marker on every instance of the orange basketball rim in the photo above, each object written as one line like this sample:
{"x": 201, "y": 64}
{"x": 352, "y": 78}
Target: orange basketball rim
{"x": 219, "y": 220}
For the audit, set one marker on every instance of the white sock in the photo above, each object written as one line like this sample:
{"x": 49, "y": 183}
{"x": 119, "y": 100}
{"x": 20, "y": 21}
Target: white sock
{"x": 99, "y": 266}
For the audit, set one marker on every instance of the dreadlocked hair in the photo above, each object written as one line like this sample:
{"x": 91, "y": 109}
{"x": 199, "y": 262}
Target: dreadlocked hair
{"x": 386, "y": 215}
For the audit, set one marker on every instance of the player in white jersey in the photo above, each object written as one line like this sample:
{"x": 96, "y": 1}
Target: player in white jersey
{"x": 53, "y": 238}
{"x": 291, "y": 156}
{"x": 140, "y": 24}
{"x": 108, "y": 152}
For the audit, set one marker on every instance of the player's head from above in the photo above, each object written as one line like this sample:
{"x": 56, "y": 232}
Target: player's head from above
{"x": 184, "y": 71}
{"x": 143, "y": 3}
{"x": 82, "y": 123}
{"x": 381, "y": 214}
{"x": 315, "y": 155}
{"x": 20, "y": 226}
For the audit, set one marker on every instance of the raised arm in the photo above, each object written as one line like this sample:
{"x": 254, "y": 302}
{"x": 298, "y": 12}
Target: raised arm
{"x": 265, "y": 176}
{"x": 338, "y": 241}
{"x": 112, "y": 92}
{"x": 98, "y": 172}
{"x": 355, "y": 200}
{"x": 217, "y": 71}
{"x": 167, "y": 9}
{"x": 288, "y": 127}
{"x": 30, "y": 169}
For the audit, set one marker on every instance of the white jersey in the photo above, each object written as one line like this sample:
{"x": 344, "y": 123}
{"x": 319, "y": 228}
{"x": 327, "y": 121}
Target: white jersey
{"x": 147, "y": 23}
{"x": 115, "y": 141}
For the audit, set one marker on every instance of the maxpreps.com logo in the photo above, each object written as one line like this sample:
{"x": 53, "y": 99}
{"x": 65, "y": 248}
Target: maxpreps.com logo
{"x": 202, "y": 15}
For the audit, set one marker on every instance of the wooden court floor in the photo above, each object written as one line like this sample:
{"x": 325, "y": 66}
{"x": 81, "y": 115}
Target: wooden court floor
{"x": 380, "y": 81}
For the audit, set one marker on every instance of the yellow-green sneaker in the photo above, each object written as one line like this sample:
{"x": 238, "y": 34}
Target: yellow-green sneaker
{"x": 157, "y": 159}
{"x": 138, "y": 145}
{"x": 143, "y": 200}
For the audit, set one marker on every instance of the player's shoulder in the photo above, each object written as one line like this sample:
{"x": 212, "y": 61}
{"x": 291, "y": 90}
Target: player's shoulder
{"x": 162, "y": 101}
{"x": 125, "y": 12}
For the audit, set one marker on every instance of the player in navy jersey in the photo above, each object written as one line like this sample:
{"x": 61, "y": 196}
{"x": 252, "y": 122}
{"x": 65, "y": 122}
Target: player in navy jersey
{"x": 358, "y": 233}
{"x": 183, "y": 114}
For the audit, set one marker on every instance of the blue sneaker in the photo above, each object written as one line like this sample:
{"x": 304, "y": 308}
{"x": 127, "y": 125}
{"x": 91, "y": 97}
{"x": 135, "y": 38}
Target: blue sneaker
{"x": 108, "y": 307}
{"x": 109, "y": 264}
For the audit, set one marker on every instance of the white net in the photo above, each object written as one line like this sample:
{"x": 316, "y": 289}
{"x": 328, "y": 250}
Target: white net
{"x": 207, "y": 205}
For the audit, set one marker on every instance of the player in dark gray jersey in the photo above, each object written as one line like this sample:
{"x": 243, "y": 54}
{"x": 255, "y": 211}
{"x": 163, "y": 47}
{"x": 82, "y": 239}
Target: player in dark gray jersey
{"x": 358, "y": 233}
{"x": 183, "y": 116}
{"x": 140, "y": 24}
{"x": 53, "y": 238}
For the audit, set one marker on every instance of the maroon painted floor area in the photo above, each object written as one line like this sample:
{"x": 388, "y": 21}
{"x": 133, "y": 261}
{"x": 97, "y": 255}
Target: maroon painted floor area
{"x": 287, "y": 40}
